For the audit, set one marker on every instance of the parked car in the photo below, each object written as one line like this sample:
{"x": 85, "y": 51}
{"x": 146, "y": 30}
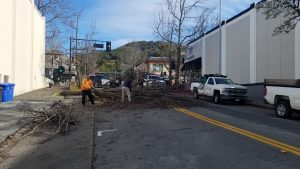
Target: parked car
{"x": 100, "y": 80}
{"x": 115, "y": 83}
{"x": 153, "y": 80}
{"x": 284, "y": 95}
{"x": 219, "y": 88}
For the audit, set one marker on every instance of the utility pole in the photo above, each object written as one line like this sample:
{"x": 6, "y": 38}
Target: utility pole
{"x": 70, "y": 63}
{"x": 76, "y": 34}
{"x": 76, "y": 46}
{"x": 52, "y": 62}
{"x": 220, "y": 26}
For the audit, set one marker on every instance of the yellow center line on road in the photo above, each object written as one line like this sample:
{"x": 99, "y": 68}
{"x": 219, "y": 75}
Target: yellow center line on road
{"x": 263, "y": 139}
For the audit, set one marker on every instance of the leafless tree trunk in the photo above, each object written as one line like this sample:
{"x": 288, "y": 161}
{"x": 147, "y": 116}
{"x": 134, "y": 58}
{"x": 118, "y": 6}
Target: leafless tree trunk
{"x": 289, "y": 9}
{"x": 131, "y": 56}
{"x": 58, "y": 14}
{"x": 180, "y": 22}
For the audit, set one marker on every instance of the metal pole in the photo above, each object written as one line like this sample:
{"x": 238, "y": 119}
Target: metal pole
{"x": 220, "y": 26}
{"x": 70, "y": 62}
{"x": 76, "y": 35}
{"x": 52, "y": 68}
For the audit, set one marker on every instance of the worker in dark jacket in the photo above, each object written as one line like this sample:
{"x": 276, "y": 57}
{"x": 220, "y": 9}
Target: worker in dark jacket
{"x": 126, "y": 88}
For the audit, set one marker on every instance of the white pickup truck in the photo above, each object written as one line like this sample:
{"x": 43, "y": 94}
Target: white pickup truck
{"x": 219, "y": 88}
{"x": 284, "y": 94}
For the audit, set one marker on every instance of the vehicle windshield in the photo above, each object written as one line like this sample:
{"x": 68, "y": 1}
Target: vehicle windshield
{"x": 154, "y": 77}
{"x": 224, "y": 81}
{"x": 97, "y": 77}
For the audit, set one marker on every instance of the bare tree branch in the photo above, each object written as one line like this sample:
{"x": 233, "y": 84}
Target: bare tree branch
{"x": 182, "y": 22}
{"x": 289, "y": 9}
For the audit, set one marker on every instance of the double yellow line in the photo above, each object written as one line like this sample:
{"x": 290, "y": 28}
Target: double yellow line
{"x": 274, "y": 143}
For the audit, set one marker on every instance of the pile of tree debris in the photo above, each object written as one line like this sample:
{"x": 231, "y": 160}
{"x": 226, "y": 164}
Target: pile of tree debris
{"x": 58, "y": 116}
{"x": 150, "y": 96}
{"x": 51, "y": 121}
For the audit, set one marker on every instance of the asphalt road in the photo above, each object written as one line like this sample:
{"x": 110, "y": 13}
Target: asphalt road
{"x": 208, "y": 137}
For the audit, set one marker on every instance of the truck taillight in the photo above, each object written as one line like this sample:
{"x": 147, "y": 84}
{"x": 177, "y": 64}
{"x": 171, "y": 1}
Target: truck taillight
{"x": 265, "y": 91}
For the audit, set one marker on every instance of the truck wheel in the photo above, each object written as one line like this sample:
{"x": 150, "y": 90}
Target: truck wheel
{"x": 283, "y": 109}
{"x": 216, "y": 98}
{"x": 195, "y": 94}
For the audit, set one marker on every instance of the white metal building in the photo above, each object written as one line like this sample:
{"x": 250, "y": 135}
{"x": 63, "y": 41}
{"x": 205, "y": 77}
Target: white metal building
{"x": 22, "y": 45}
{"x": 250, "y": 52}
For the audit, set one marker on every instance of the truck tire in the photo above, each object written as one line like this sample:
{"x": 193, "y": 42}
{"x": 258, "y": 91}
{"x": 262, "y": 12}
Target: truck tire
{"x": 216, "y": 97}
{"x": 283, "y": 109}
{"x": 195, "y": 94}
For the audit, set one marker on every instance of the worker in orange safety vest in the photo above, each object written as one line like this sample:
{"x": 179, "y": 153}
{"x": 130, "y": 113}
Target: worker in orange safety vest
{"x": 86, "y": 87}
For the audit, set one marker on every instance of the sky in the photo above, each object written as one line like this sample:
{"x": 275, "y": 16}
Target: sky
{"x": 124, "y": 21}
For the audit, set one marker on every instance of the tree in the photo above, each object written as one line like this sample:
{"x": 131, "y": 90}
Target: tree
{"x": 59, "y": 14}
{"x": 289, "y": 9}
{"x": 106, "y": 62}
{"x": 168, "y": 50}
{"x": 180, "y": 21}
{"x": 131, "y": 56}
{"x": 85, "y": 55}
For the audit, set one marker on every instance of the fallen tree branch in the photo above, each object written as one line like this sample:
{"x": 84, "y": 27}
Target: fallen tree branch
{"x": 58, "y": 115}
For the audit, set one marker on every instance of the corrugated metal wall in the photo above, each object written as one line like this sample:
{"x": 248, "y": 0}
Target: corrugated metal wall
{"x": 275, "y": 54}
{"x": 212, "y": 46}
{"x": 250, "y": 45}
{"x": 238, "y": 51}
{"x": 198, "y": 49}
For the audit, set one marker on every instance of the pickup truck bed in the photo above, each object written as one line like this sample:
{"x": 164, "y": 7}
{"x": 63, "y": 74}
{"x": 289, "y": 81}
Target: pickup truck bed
{"x": 284, "y": 95}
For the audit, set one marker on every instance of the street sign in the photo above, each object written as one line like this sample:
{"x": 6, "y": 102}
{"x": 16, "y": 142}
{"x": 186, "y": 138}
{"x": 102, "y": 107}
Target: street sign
{"x": 98, "y": 45}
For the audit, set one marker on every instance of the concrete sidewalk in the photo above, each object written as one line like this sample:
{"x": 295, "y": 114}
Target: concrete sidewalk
{"x": 10, "y": 116}
{"x": 73, "y": 149}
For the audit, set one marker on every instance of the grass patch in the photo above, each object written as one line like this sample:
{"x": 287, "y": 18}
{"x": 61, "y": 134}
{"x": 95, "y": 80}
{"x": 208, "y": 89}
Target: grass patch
{"x": 74, "y": 91}
{"x": 55, "y": 94}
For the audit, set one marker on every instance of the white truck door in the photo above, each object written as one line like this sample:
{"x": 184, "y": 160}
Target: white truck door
{"x": 201, "y": 86}
{"x": 208, "y": 88}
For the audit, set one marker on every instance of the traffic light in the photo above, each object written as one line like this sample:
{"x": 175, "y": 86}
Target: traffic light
{"x": 182, "y": 60}
{"x": 108, "y": 46}
{"x": 61, "y": 69}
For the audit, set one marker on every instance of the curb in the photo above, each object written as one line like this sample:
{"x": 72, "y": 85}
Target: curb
{"x": 261, "y": 105}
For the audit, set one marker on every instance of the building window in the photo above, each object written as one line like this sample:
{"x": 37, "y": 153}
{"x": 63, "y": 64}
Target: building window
{"x": 157, "y": 68}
